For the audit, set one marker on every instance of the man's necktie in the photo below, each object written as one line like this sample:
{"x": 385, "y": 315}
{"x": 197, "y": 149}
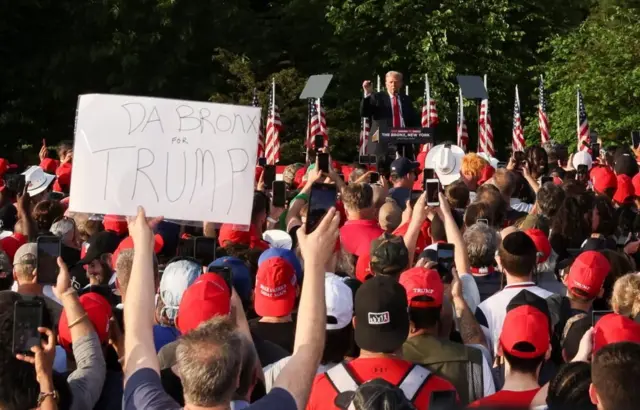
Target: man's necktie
{"x": 396, "y": 111}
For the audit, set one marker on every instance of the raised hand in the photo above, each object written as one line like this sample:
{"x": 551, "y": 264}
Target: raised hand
{"x": 141, "y": 228}
{"x": 367, "y": 87}
{"x": 318, "y": 246}
{"x": 63, "y": 282}
{"x": 43, "y": 357}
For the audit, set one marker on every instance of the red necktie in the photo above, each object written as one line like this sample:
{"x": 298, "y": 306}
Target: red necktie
{"x": 396, "y": 111}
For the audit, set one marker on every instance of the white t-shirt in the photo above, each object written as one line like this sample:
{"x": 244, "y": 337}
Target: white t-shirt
{"x": 272, "y": 371}
{"x": 520, "y": 206}
{"x": 491, "y": 312}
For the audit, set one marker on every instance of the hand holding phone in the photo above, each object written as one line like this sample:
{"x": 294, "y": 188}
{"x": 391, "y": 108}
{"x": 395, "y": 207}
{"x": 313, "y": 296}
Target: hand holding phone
{"x": 49, "y": 248}
{"x": 445, "y": 259}
{"x": 269, "y": 175}
{"x": 432, "y": 188}
{"x": 27, "y": 318}
{"x": 321, "y": 198}
{"x": 323, "y": 162}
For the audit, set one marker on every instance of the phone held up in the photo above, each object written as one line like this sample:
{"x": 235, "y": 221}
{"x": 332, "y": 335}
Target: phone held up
{"x": 322, "y": 198}
{"x": 445, "y": 260}
{"x": 323, "y": 162}
{"x": 269, "y": 175}
{"x": 279, "y": 194}
{"x": 49, "y": 249}
{"x": 225, "y": 273}
{"x": 27, "y": 318}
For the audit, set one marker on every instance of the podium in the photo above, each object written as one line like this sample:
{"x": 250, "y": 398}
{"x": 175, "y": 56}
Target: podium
{"x": 390, "y": 135}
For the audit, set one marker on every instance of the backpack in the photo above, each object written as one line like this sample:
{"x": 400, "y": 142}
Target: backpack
{"x": 343, "y": 382}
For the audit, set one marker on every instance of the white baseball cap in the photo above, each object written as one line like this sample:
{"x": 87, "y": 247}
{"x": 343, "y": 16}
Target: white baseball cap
{"x": 582, "y": 158}
{"x": 491, "y": 160}
{"x": 446, "y": 160}
{"x": 339, "y": 300}
{"x": 278, "y": 239}
{"x": 37, "y": 180}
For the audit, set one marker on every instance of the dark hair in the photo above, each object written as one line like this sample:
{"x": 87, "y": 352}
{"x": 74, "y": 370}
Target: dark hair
{"x": 625, "y": 162}
{"x": 518, "y": 254}
{"x": 620, "y": 266}
{"x": 425, "y": 318}
{"x": 357, "y": 196}
{"x": 572, "y": 187}
{"x": 337, "y": 344}
{"x": 615, "y": 370}
{"x": 549, "y": 199}
{"x": 569, "y": 388}
{"x": 506, "y": 182}
{"x": 490, "y": 195}
{"x": 475, "y": 211}
{"x": 556, "y": 152}
{"x": 438, "y": 232}
{"x": 457, "y": 194}
{"x": 379, "y": 394}
{"x": 538, "y": 160}
{"x": 260, "y": 205}
{"x": 607, "y": 215}
{"x": 526, "y": 366}
{"x": 46, "y": 213}
{"x": 570, "y": 224}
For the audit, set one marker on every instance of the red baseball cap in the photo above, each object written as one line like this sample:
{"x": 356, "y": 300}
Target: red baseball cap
{"x": 99, "y": 312}
{"x": 588, "y": 273}
{"x": 49, "y": 165}
{"x": 5, "y": 166}
{"x": 208, "y": 297}
{"x": 127, "y": 243}
{"x": 543, "y": 246}
{"x": 625, "y": 190}
{"x": 275, "y": 292}
{"x": 602, "y": 179}
{"x": 615, "y": 328}
{"x": 11, "y": 244}
{"x": 363, "y": 267}
{"x": 423, "y": 286}
{"x": 525, "y": 324}
{"x": 63, "y": 180}
{"x": 635, "y": 181}
{"x": 486, "y": 174}
{"x": 231, "y": 233}
{"x": 115, "y": 224}
{"x": 298, "y": 178}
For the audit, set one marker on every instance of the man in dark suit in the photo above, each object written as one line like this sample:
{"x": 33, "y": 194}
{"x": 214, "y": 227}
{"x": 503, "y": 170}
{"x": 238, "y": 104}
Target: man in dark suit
{"x": 390, "y": 106}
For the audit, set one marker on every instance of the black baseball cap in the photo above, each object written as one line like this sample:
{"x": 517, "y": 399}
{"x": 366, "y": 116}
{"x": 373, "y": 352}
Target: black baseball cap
{"x": 99, "y": 244}
{"x": 389, "y": 255}
{"x": 402, "y": 166}
{"x": 382, "y": 316}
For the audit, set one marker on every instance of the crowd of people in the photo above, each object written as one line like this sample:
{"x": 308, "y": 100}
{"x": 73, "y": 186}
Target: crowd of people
{"x": 539, "y": 308}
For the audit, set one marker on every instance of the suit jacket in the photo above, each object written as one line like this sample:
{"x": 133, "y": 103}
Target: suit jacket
{"x": 378, "y": 107}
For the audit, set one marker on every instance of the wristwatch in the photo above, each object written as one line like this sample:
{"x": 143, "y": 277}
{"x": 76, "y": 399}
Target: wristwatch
{"x": 43, "y": 395}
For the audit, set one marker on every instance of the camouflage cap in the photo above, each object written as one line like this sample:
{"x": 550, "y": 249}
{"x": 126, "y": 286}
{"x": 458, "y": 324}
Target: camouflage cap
{"x": 389, "y": 255}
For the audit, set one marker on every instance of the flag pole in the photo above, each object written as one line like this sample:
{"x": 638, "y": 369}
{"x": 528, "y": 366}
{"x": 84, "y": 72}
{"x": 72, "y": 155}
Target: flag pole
{"x": 428, "y": 102}
{"x": 578, "y": 117}
{"x": 406, "y": 89}
{"x": 378, "y": 84}
{"x": 308, "y": 138}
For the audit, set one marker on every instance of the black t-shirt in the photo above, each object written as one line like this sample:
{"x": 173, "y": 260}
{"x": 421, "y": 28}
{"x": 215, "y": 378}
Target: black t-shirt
{"x": 172, "y": 385}
{"x": 488, "y": 284}
{"x": 8, "y": 217}
{"x": 282, "y": 334}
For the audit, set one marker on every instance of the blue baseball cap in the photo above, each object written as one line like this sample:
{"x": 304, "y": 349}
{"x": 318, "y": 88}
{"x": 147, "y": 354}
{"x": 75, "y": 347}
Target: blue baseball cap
{"x": 240, "y": 274}
{"x": 286, "y": 254}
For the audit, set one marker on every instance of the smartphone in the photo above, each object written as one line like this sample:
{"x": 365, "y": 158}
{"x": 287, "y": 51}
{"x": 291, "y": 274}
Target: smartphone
{"x": 582, "y": 169}
{"x": 323, "y": 162}
{"x": 279, "y": 192}
{"x": 186, "y": 247}
{"x": 318, "y": 142}
{"x": 635, "y": 138}
{"x": 262, "y": 161}
{"x": 415, "y": 195}
{"x": 429, "y": 173}
{"x": 544, "y": 180}
{"x": 269, "y": 175}
{"x": 519, "y": 158}
{"x": 15, "y": 182}
{"x": 205, "y": 249}
{"x": 445, "y": 261}
{"x": 27, "y": 318}
{"x": 374, "y": 177}
{"x": 432, "y": 188}
{"x": 595, "y": 151}
{"x": 49, "y": 249}
{"x": 443, "y": 400}
{"x": 598, "y": 314}
{"x": 321, "y": 199}
{"x": 225, "y": 273}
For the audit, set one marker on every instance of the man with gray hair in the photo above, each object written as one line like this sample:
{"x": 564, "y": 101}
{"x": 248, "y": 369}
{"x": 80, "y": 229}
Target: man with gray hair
{"x": 482, "y": 242}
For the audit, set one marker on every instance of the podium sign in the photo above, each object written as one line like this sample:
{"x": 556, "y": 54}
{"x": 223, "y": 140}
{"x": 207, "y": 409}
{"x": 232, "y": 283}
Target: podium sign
{"x": 407, "y": 135}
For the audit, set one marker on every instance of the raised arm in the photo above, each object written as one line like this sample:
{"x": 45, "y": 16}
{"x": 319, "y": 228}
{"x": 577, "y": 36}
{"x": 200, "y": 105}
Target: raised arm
{"x": 317, "y": 247}
{"x": 139, "y": 348}
{"x": 418, "y": 216}
{"x": 454, "y": 236}
{"x": 293, "y": 216}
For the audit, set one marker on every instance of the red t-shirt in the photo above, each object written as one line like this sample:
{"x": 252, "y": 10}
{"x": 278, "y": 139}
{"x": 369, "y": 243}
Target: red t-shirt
{"x": 507, "y": 398}
{"x": 393, "y": 370}
{"x": 356, "y": 236}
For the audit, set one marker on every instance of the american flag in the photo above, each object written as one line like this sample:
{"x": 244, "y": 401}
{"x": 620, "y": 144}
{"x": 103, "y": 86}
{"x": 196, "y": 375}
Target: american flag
{"x": 463, "y": 135}
{"x": 543, "y": 120}
{"x": 317, "y": 123}
{"x": 273, "y": 129}
{"x": 429, "y": 112}
{"x": 518, "y": 133}
{"x": 256, "y": 103}
{"x": 484, "y": 127}
{"x": 364, "y": 135}
{"x": 584, "y": 136}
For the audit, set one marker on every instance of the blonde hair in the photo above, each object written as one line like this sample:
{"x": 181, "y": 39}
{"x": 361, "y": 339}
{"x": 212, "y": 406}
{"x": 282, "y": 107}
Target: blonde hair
{"x": 394, "y": 74}
{"x": 473, "y": 164}
{"x": 625, "y": 299}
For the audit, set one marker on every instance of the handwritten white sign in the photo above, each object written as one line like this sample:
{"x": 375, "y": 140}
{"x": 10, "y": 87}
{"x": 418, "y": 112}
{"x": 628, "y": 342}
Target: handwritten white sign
{"x": 186, "y": 160}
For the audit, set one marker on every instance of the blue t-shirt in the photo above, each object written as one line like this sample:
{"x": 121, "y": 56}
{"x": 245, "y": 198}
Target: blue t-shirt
{"x": 144, "y": 390}
{"x": 163, "y": 335}
{"x": 401, "y": 196}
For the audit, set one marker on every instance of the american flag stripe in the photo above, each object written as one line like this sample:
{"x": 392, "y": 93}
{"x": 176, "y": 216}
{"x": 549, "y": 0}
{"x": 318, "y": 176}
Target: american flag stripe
{"x": 364, "y": 134}
{"x": 485, "y": 128}
{"x": 429, "y": 112}
{"x": 584, "y": 136}
{"x": 273, "y": 129}
{"x": 543, "y": 120}
{"x": 256, "y": 103}
{"x": 318, "y": 123}
{"x": 463, "y": 135}
{"x": 518, "y": 134}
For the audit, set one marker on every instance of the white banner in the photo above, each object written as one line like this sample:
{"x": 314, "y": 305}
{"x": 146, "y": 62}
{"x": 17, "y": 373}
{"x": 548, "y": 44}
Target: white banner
{"x": 184, "y": 160}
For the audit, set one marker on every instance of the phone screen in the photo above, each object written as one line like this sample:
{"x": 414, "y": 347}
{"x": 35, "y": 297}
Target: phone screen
{"x": 46, "y": 260}
{"x": 225, "y": 273}
{"x": 323, "y": 162}
{"x": 429, "y": 173}
{"x": 598, "y": 314}
{"x": 205, "y": 250}
{"x": 415, "y": 195}
{"x": 595, "y": 151}
{"x": 318, "y": 142}
{"x": 374, "y": 177}
{"x": 279, "y": 192}
{"x": 635, "y": 138}
{"x": 27, "y": 318}
{"x": 321, "y": 199}
{"x": 582, "y": 169}
{"x": 432, "y": 188}
{"x": 187, "y": 247}
{"x": 445, "y": 261}
{"x": 269, "y": 175}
